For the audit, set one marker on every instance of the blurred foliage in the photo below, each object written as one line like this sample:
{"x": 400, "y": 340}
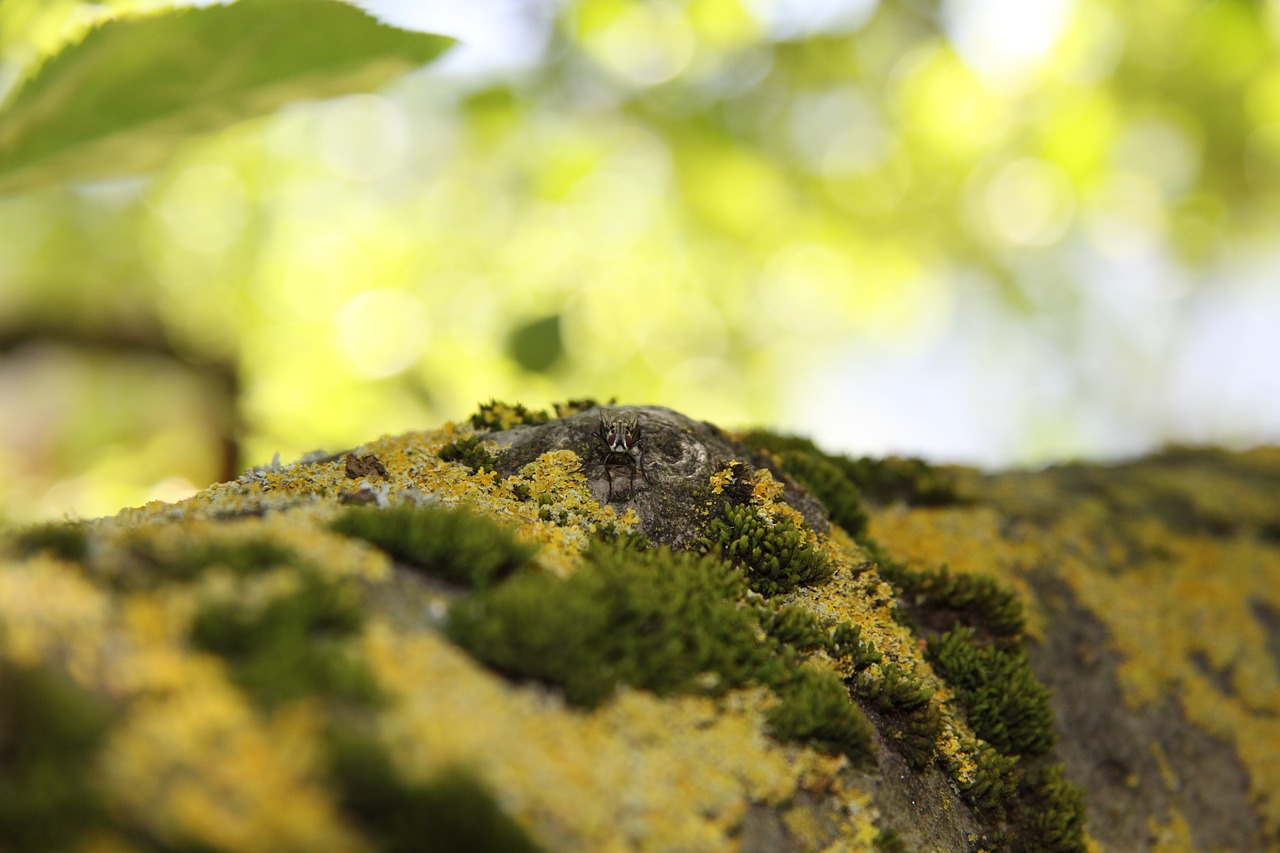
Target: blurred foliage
{"x": 122, "y": 98}
{"x": 694, "y": 203}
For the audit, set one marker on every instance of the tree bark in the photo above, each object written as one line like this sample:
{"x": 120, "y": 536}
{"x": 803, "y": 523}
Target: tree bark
{"x": 278, "y": 663}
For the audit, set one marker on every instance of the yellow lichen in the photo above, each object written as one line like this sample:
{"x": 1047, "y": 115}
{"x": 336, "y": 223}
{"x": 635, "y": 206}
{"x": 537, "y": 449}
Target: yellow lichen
{"x": 1179, "y": 607}
{"x": 968, "y": 540}
{"x": 50, "y": 612}
{"x": 766, "y": 489}
{"x": 194, "y": 761}
{"x": 1172, "y": 836}
{"x": 197, "y": 764}
{"x": 720, "y": 479}
{"x": 189, "y": 759}
{"x": 681, "y": 771}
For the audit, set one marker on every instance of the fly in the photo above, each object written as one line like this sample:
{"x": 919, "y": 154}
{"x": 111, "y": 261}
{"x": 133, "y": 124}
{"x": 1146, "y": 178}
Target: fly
{"x": 619, "y": 434}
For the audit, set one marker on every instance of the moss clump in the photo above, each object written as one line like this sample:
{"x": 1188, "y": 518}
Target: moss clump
{"x": 153, "y": 563}
{"x": 1006, "y": 706}
{"x": 827, "y": 480}
{"x": 292, "y": 647}
{"x": 663, "y": 622}
{"x": 793, "y": 626}
{"x": 455, "y": 545}
{"x": 651, "y": 619}
{"x": 892, "y": 689}
{"x": 843, "y": 483}
{"x": 1051, "y": 817}
{"x": 845, "y": 641}
{"x": 816, "y": 707}
{"x": 738, "y": 485}
{"x": 824, "y": 475}
{"x": 49, "y": 732}
{"x": 976, "y": 600}
{"x": 911, "y": 481}
{"x": 452, "y": 811}
{"x": 628, "y": 540}
{"x": 494, "y": 416}
{"x": 572, "y": 407}
{"x": 995, "y": 782}
{"x": 916, "y": 734}
{"x": 912, "y": 721}
{"x": 888, "y": 841}
{"x": 981, "y": 654}
{"x": 776, "y": 557}
{"x": 68, "y": 541}
{"x": 469, "y": 451}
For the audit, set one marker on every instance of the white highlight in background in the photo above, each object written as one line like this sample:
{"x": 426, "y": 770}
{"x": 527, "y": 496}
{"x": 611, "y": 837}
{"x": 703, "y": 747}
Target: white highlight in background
{"x": 1005, "y": 41}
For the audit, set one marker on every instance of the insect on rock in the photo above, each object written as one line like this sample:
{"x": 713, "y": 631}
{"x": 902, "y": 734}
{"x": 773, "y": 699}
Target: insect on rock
{"x": 620, "y": 436}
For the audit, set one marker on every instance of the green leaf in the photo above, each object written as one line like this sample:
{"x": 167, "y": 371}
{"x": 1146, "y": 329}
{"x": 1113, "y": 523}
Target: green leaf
{"x": 125, "y": 97}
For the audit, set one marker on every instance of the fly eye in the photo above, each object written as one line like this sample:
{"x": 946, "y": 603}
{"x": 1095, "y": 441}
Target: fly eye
{"x": 612, "y": 438}
{"x": 628, "y": 439}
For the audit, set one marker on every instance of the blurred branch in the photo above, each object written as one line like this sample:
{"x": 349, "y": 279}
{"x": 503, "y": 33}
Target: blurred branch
{"x": 118, "y": 341}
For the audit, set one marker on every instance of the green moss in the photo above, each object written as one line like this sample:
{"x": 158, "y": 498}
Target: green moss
{"x": 822, "y": 474}
{"x": 845, "y": 641}
{"x": 827, "y": 480}
{"x": 794, "y": 626}
{"x": 295, "y": 646}
{"x": 816, "y": 708}
{"x": 572, "y": 407}
{"x": 892, "y": 689}
{"x": 451, "y": 812}
{"x": 494, "y": 416}
{"x": 888, "y": 841}
{"x": 1005, "y": 704}
{"x": 916, "y": 734}
{"x": 775, "y": 557}
{"x": 912, "y": 723}
{"x": 740, "y": 486}
{"x": 843, "y": 483}
{"x": 469, "y": 451}
{"x": 995, "y": 783}
{"x": 661, "y": 621}
{"x": 152, "y": 564}
{"x": 50, "y": 730}
{"x": 981, "y": 654}
{"x": 651, "y": 619}
{"x": 1051, "y": 817}
{"x": 608, "y": 533}
{"x": 67, "y": 541}
{"x": 452, "y": 544}
{"x": 976, "y": 600}
{"x": 911, "y": 481}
